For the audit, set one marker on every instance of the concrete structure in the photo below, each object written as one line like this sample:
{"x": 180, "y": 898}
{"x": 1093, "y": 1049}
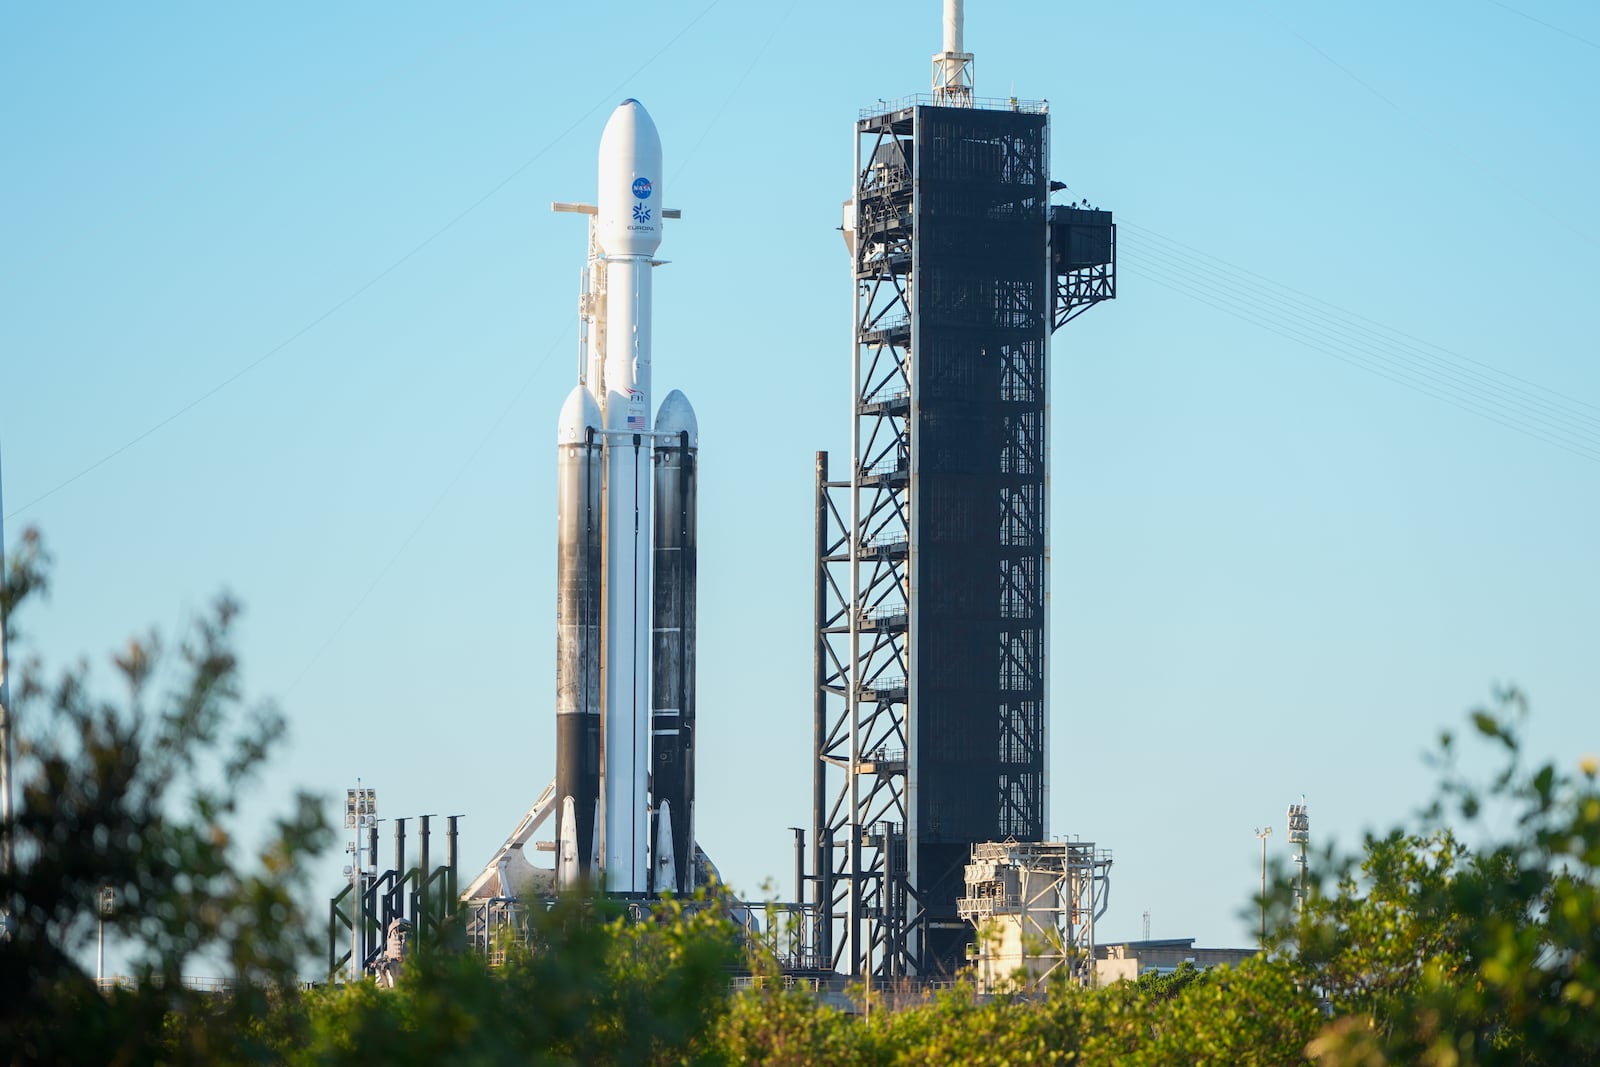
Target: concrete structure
{"x": 1129, "y": 959}
{"x": 1034, "y": 905}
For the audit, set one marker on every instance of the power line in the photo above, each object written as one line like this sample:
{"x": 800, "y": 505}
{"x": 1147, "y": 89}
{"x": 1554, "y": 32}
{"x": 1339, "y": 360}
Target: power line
{"x": 1178, "y": 287}
{"x": 731, "y": 93}
{"x": 427, "y": 515}
{"x": 1251, "y": 307}
{"x": 1477, "y": 166}
{"x": 373, "y": 281}
{"x": 1546, "y": 25}
{"x": 1222, "y": 293}
{"x": 1377, "y": 326}
{"x": 1440, "y": 367}
{"x": 461, "y": 470}
{"x": 209, "y": 176}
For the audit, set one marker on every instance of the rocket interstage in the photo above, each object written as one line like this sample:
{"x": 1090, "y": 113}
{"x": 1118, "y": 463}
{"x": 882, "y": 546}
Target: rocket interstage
{"x": 625, "y": 567}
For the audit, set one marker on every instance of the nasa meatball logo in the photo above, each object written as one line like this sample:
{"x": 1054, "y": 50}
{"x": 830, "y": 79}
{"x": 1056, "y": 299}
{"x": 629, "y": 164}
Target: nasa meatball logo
{"x": 641, "y": 188}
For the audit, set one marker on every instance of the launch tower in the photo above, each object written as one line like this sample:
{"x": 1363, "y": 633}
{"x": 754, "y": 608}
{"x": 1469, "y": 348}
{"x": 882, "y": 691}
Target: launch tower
{"x": 931, "y": 552}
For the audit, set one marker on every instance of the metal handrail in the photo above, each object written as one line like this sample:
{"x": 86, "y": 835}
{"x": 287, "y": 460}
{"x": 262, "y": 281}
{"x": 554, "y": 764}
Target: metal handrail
{"x": 979, "y": 103}
{"x": 190, "y": 982}
{"x": 890, "y": 397}
{"x": 987, "y": 906}
{"x": 887, "y": 325}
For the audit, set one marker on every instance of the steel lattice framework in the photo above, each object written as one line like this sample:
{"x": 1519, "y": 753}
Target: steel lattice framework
{"x": 930, "y": 557}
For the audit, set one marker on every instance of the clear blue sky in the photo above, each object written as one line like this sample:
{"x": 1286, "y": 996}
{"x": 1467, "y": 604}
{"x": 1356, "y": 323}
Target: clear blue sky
{"x": 292, "y": 268}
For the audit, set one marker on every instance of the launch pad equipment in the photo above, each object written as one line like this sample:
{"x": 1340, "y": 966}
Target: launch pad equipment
{"x": 1034, "y": 906}
{"x": 931, "y": 586}
{"x": 420, "y": 895}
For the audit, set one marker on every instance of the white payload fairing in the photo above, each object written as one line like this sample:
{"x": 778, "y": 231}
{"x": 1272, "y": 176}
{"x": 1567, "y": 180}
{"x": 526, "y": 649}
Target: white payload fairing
{"x": 626, "y": 497}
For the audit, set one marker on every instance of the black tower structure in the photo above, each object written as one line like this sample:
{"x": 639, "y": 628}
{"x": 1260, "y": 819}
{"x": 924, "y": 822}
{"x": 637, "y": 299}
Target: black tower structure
{"x": 931, "y": 583}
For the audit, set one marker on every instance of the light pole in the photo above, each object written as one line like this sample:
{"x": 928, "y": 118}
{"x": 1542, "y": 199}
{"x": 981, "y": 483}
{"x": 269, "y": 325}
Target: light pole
{"x": 1299, "y": 834}
{"x": 108, "y": 901}
{"x": 1263, "y": 832}
{"x": 360, "y": 812}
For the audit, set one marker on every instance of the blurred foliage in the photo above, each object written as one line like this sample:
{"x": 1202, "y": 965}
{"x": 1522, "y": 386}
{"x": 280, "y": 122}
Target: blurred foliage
{"x": 1434, "y": 953}
{"x": 1455, "y": 942}
{"x": 589, "y": 986}
{"x": 139, "y": 796}
{"x": 1255, "y": 1014}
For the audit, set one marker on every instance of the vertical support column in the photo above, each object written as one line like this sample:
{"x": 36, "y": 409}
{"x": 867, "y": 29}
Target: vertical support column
{"x": 822, "y": 863}
{"x": 370, "y": 912}
{"x": 394, "y": 901}
{"x": 333, "y": 937}
{"x": 452, "y": 858}
{"x": 399, "y": 852}
{"x": 1045, "y": 308}
{"x": 424, "y": 918}
{"x": 902, "y": 860}
{"x": 875, "y": 615}
{"x": 861, "y": 957}
{"x": 799, "y": 864}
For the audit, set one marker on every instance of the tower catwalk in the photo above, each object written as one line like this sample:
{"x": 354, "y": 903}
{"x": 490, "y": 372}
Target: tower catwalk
{"x": 931, "y": 690}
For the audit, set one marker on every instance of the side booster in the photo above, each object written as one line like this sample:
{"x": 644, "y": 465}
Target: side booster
{"x": 625, "y": 583}
{"x": 580, "y": 481}
{"x": 672, "y": 646}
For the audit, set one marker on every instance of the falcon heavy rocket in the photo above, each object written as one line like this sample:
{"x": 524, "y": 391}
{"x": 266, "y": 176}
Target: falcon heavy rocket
{"x": 625, "y": 585}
